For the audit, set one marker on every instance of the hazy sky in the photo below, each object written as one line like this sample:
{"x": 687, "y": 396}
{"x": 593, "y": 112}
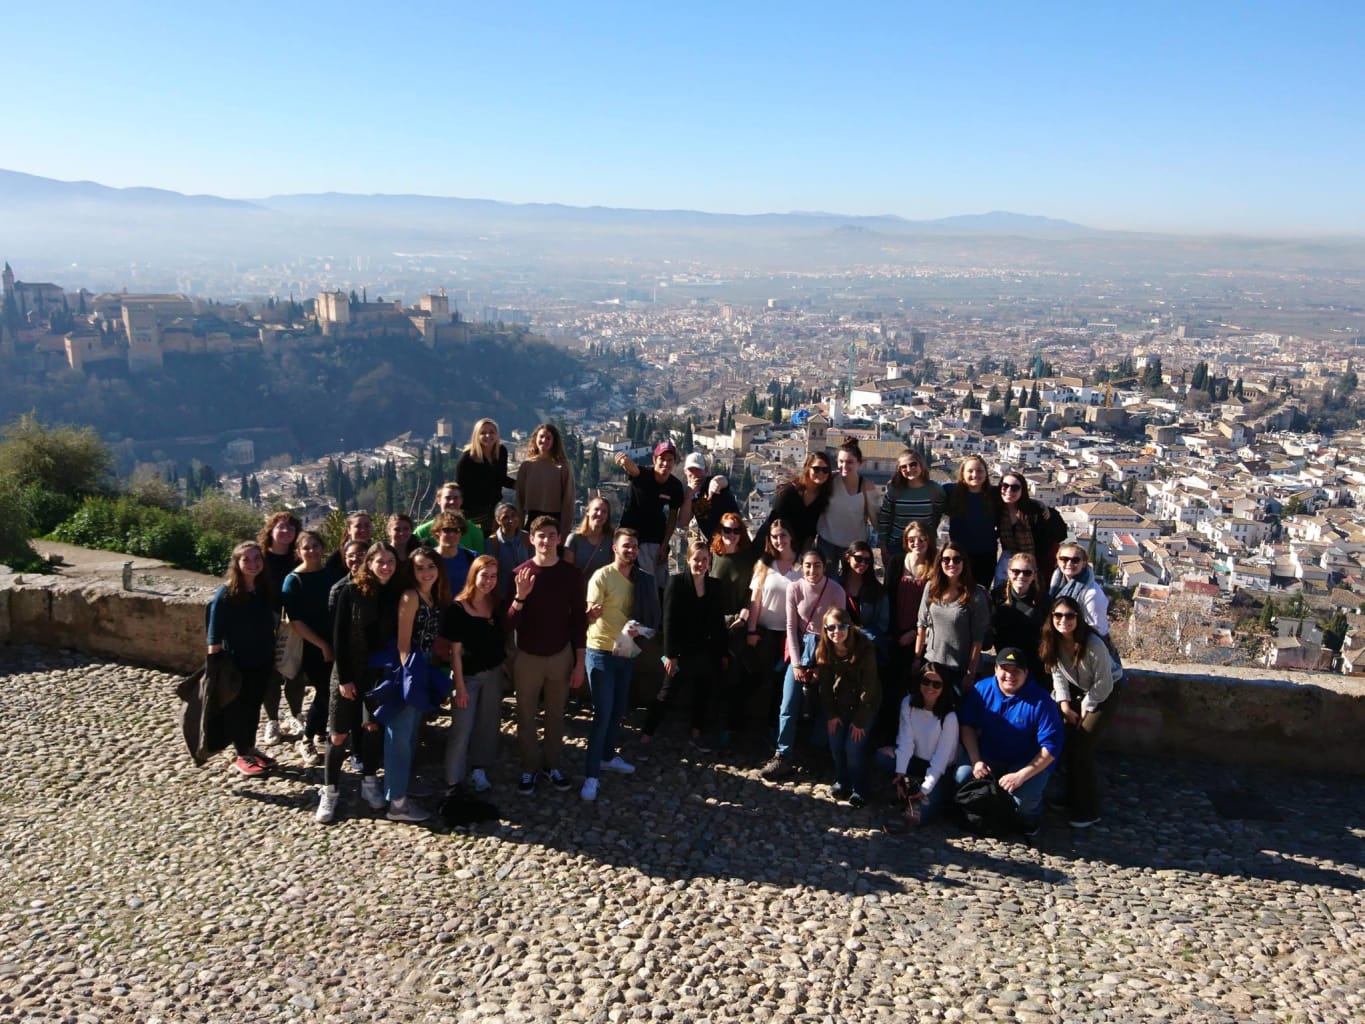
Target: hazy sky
{"x": 1242, "y": 117}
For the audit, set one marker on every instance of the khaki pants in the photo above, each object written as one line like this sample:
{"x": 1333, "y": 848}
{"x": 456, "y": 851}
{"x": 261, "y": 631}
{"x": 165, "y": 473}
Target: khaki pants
{"x": 537, "y": 678}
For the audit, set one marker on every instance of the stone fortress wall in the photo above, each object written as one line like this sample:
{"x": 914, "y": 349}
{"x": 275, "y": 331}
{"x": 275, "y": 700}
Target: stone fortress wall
{"x": 1303, "y": 721}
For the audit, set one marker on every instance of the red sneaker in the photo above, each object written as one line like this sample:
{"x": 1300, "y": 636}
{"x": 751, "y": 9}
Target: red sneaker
{"x": 248, "y": 766}
{"x": 264, "y": 760}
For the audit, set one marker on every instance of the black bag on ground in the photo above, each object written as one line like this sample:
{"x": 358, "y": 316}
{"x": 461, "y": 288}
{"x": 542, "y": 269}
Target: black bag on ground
{"x": 463, "y": 809}
{"x": 985, "y": 808}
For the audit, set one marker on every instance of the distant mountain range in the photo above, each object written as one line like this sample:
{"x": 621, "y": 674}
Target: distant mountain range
{"x": 48, "y": 225}
{"x": 19, "y": 188}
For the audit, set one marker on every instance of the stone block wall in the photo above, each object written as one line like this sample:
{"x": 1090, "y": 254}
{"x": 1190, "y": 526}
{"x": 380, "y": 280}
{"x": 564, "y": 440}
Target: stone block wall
{"x": 1310, "y": 721}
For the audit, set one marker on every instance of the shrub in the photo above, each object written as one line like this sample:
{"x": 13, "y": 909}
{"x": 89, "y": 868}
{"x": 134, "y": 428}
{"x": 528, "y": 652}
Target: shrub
{"x": 123, "y": 524}
{"x": 15, "y": 549}
{"x": 63, "y": 460}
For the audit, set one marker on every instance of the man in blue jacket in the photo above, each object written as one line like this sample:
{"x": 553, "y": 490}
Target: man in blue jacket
{"x": 1011, "y": 730}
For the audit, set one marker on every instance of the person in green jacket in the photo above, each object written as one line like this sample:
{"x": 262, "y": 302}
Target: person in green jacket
{"x": 850, "y": 691}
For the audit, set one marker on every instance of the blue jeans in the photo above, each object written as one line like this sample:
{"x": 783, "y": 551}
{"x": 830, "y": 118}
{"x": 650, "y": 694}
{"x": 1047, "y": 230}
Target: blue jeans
{"x": 400, "y": 743}
{"x": 789, "y": 717}
{"x": 850, "y": 756}
{"x": 609, "y": 681}
{"x": 1028, "y": 798}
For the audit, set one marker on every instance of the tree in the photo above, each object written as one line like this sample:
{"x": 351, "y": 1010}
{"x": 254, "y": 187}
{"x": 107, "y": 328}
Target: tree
{"x": 1267, "y": 618}
{"x": 254, "y": 492}
{"x": 64, "y": 460}
{"x": 245, "y": 492}
{"x": 1153, "y": 379}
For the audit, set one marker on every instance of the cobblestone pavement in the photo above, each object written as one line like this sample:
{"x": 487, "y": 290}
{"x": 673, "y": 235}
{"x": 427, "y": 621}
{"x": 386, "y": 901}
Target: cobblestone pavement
{"x": 134, "y": 886}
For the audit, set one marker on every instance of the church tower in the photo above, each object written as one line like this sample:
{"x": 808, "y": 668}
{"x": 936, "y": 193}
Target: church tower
{"x": 9, "y": 314}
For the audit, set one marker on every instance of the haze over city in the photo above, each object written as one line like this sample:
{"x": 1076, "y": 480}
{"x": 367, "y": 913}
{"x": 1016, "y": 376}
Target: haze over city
{"x": 1172, "y": 117}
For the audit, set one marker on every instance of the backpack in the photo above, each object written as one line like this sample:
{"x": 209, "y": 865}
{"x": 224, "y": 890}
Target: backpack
{"x": 985, "y": 808}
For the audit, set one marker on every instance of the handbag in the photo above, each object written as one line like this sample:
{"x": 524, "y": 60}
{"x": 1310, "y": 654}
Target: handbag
{"x": 986, "y": 808}
{"x": 288, "y": 649}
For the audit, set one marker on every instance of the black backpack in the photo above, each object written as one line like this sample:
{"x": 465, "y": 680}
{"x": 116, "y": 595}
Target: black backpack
{"x": 985, "y": 808}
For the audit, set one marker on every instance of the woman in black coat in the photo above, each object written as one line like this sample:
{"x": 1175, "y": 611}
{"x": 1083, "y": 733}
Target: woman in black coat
{"x": 695, "y": 642}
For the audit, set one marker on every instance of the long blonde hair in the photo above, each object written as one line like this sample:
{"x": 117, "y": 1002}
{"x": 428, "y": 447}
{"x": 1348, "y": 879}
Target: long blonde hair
{"x": 475, "y": 448}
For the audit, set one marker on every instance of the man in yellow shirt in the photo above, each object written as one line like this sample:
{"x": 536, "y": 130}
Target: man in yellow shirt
{"x": 622, "y": 598}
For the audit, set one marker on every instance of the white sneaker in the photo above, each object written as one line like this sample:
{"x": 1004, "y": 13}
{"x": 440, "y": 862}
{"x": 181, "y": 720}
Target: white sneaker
{"x": 327, "y": 804}
{"x": 619, "y": 765}
{"x": 479, "y": 781}
{"x": 291, "y": 726}
{"x": 372, "y": 793}
{"x": 308, "y": 753}
{"x": 589, "y": 791}
{"x": 406, "y": 810}
{"x": 271, "y": 734}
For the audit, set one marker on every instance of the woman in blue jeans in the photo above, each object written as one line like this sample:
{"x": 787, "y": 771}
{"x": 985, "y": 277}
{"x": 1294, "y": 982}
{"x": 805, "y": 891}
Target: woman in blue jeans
{"x": 850, "y": 690}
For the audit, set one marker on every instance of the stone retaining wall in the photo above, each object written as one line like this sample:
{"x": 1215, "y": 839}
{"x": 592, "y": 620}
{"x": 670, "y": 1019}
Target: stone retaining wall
{"x": 1238, "y": 716}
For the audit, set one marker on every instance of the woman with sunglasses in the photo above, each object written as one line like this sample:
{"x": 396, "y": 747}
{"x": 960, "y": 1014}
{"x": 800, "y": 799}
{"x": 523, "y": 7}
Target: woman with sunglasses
{"x": 953, "y": 619}
{"x": 850, "y": 690}
{"x": 1075, "y": 579}
{"x": 973, "y": 516}
{"x": 808, "y": 598}
{"x": 926, "y": 746}
{"x": 1026, "y": 526}
{"x": 801, "y": 502}
{"x": 911, "y": 497}
{"x": 850, "y": 512}
{"x": 1017, "y": 609}
{"x": 1083, "y": 686}
{"x": 868, "y": 605}
{"x": 732, "y": 567}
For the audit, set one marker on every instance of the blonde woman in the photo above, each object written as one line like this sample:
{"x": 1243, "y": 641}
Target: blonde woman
{"x": 481, "y": 473}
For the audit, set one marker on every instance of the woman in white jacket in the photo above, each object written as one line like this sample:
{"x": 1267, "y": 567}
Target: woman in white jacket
{"x": 926, "y": 747}
{"x": 1083, "y": 686}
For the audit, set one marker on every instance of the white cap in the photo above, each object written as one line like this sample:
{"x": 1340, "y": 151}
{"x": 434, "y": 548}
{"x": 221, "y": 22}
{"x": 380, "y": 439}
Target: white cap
{"x": 695, "y": 461}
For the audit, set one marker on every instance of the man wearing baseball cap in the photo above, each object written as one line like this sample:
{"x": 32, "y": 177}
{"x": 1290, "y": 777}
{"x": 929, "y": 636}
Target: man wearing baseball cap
{"x": 1011, "y": 730}
{"x": 654, "y": 507}
{"x": 710, "y": 496}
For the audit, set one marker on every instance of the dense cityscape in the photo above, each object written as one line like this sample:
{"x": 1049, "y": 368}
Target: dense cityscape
{"x": 1215, "y": 468}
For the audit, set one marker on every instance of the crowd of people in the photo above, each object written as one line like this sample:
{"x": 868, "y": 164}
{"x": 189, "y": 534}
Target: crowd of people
{"x": 985, "y": 656}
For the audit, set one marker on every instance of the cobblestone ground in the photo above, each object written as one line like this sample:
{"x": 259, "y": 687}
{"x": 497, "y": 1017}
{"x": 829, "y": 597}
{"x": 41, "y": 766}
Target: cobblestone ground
{"x": 134, "y": 886}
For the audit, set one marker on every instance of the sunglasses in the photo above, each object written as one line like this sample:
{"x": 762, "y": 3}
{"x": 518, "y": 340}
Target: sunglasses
{"x": 1070, "y": 558}
{"x": 837, "y": 627}
{"x": 450, "y": 529}
{"x": 1011, "y": 487}
{"x": 861, "y": 560}
{"x": 730, "y": 531}
{"x": 951, "y": 559}
{"x": 932, "y": 684}
{"x": 909, "y": 465}
{"x": 820, "y": 469}
{"x": 1021, "y": 572}
{"x": 1063, "y": 616}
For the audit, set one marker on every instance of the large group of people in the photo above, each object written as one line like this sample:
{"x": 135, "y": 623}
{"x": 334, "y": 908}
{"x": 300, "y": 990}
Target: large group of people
{"x": 985, "y": 656}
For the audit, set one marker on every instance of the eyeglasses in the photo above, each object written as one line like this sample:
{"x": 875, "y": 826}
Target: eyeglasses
{"x": 1010, "y": 487}
{"x": 932, "y": 684}
{"x": 730, "y": 531}
{"x": 951, "y": 559}
{"x": 861, "y": 560}
{"x": 1063, "y": 616}
{"x": 1070, "y": 558}
{"x": 837, "y": 627}
{"x": 1021, "y": 572}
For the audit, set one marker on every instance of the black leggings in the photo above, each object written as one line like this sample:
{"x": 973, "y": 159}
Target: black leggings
{"x": 698, "y": 673}
{"x": 292, "y": 689}
{"x": 244, "y": 713}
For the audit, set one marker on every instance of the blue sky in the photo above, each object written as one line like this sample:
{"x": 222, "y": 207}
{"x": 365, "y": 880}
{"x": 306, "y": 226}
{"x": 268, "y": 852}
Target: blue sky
{"x": 1187, "y": 117}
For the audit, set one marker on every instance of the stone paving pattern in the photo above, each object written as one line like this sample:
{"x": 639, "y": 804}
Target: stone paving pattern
{"x": 136, "y": 887}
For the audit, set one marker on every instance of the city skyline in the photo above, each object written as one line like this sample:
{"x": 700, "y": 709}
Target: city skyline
{"x": 1186, "y": 121}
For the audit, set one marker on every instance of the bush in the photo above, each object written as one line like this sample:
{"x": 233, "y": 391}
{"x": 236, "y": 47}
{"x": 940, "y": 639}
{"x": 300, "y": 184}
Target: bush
{"x": 123, "y": 524}
{"x": 15, "y": 549}
{"x": 62, "y": 460}
{"x": 237, "y": 520}
{"x": 47, "y": 508}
